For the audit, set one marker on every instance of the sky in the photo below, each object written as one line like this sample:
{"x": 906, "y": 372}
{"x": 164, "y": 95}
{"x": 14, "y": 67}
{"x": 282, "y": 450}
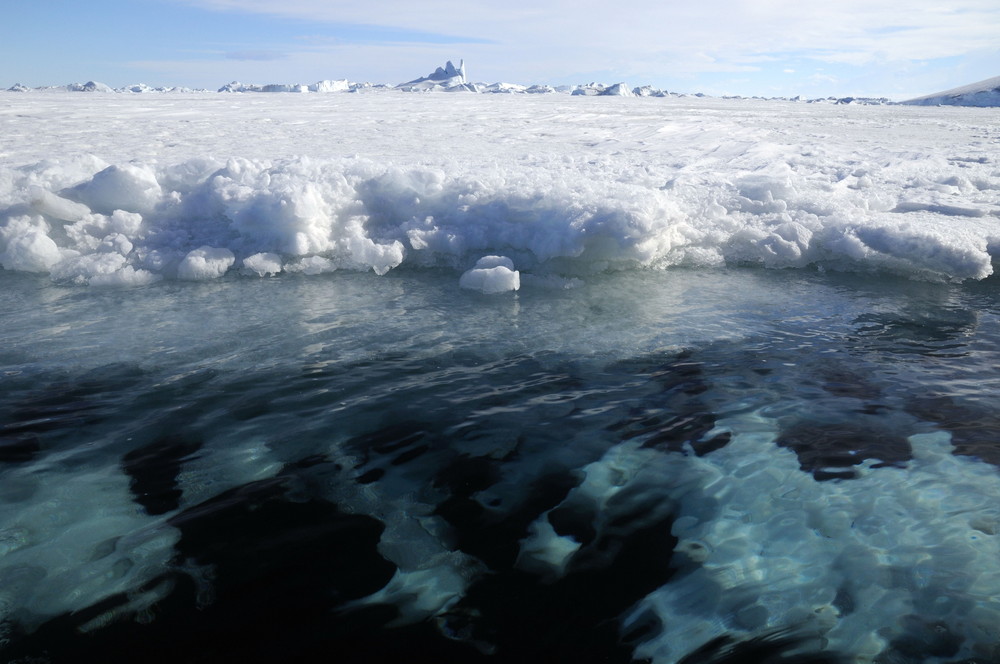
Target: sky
{"x": 811, "y": 48}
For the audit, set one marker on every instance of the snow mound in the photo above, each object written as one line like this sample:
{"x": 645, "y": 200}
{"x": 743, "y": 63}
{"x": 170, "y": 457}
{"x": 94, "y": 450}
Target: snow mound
{"x": 130, "y": 222}
{"x": 984, "y": 93}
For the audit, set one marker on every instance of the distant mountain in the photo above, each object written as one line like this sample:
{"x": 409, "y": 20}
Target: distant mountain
{"x": 983, "y": 93}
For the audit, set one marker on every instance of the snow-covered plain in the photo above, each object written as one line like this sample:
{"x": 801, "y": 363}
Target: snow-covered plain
{"x": 121, "y": 189}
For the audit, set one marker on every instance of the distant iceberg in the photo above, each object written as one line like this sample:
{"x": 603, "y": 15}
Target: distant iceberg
{"x": 449, "y": 78}
{"x": 618, "y": 90}
{"x": 504, "y": 88}
{"x": 93, "y": 86}
{"x": 89, "y": 86}
{"x": 339, "y": 85}
{"x": 142, "y": 88}
{"x": 601, "y": 90}
{"x": 983, "y": 93}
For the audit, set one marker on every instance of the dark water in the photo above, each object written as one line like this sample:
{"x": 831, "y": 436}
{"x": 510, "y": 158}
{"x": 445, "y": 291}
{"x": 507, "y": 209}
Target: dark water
{"x": 696, "y": 466}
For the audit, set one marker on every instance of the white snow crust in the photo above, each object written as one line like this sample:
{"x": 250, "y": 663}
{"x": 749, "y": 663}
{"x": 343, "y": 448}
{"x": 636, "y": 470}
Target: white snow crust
{"x": 129, "y": 189}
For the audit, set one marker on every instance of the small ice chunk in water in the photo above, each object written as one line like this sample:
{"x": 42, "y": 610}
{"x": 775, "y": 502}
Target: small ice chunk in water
{"x": 25, "y": 245}
{"x": 262, "y": 264}
{"x": 32, "y": 252}
{"x": 492, "y": 274}
{"x": 205, "y": 263}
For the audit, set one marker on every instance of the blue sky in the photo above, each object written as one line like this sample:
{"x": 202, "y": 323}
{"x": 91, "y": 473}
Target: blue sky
{"x": 764, "y": 47}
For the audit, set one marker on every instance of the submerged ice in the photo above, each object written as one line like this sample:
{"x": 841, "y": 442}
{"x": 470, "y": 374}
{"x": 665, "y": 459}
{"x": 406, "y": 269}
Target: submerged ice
{"x": 666, "y": 458}
{"x": 897, "y": 555}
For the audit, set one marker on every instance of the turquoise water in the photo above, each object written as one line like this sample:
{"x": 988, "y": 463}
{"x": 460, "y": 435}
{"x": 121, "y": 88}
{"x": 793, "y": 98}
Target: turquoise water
{"x": 640, "y": 465}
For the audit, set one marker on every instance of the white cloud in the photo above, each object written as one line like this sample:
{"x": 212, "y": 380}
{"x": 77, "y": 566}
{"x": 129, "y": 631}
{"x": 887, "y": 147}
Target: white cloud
{"x": 357, "y": 62}
{"x": 546, "y": 40}
{"x": 727, "y": 28}
{"x": 647, "y": 41}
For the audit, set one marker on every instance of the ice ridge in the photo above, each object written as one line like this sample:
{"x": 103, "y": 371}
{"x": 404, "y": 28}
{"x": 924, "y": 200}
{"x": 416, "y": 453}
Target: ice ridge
{"x": 135, "y": 223}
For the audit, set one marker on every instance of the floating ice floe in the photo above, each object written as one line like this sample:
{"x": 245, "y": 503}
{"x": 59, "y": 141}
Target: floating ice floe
{"x": 492, "y": 274}
{"x": 205, "y": 263}
{"x": 263, "y": 264}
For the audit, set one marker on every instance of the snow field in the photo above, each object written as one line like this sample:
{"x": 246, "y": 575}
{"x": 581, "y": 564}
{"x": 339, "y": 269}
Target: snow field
{"x": 392, "y": 179}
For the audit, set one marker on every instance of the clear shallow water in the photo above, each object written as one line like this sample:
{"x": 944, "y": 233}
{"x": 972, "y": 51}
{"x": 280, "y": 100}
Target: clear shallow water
{"x": 650, "y": 463}
{"x": 703, "y": 463}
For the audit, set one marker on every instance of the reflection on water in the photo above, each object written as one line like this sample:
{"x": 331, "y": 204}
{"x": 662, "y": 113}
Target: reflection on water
{"x": 747, "y": 456}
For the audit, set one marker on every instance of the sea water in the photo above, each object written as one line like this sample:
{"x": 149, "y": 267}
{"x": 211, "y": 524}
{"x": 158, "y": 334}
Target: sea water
{"x": 744, "y": 450}
{"x": 813, "y": 449}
